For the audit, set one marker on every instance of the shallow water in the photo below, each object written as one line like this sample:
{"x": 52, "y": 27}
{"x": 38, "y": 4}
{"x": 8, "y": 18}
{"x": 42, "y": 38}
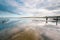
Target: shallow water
{"x": 12, "y": 25}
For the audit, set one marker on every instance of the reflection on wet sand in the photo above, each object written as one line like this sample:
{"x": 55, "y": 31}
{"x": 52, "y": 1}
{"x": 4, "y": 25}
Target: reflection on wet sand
{"x": 27, "y": 34}
{"x": 29, "y": 30}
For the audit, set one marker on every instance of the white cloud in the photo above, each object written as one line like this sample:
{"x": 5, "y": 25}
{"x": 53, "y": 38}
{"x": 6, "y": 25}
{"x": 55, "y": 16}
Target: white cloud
{"x": 45, "y": 8}
{"x": 7, "y": 14}
{"x": 32, "y": 7}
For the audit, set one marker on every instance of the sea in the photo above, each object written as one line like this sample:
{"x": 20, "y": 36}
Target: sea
{"x": 49, "y": 29}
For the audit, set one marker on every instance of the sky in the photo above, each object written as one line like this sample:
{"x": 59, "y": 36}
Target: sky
{"x": 18, "y": 8}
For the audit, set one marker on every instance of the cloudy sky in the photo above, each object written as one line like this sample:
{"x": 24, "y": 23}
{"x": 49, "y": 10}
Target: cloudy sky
{"x": 29, "y": 7}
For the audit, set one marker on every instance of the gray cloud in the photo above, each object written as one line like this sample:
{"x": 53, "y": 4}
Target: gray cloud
{"x": 53, "y": 7}
{"x": 49, "y": 4}
{"x": 29, "y": 6}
